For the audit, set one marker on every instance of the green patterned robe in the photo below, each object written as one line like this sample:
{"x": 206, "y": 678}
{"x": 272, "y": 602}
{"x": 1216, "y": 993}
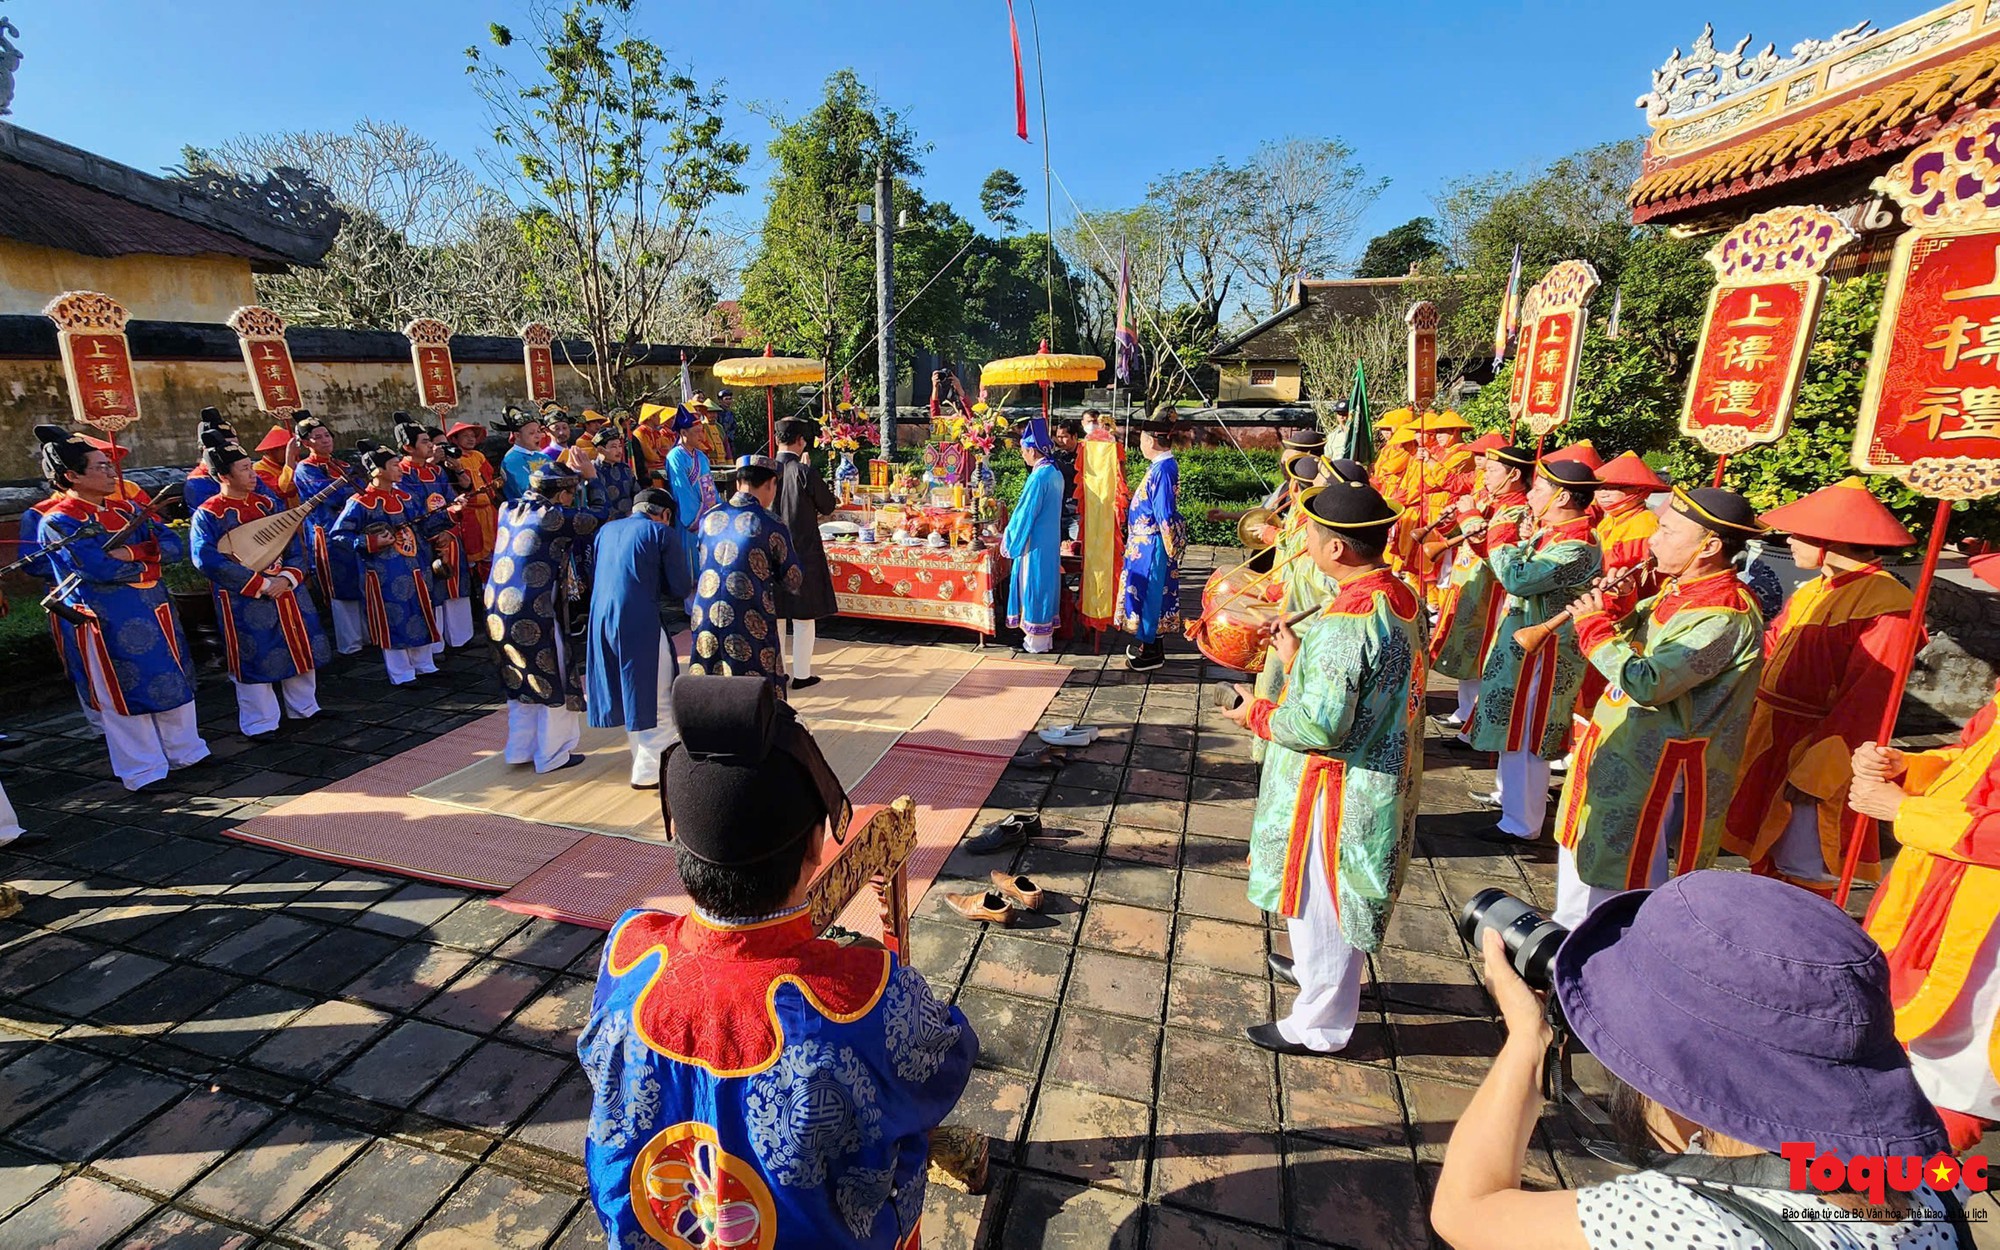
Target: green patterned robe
{"x": 1540, "y": 577}
{"x": 1683, "y": 683}
{"x": 1304, "y": 585}
{"x": 1344, "y": 756}
{"x": 1467, "y": 623}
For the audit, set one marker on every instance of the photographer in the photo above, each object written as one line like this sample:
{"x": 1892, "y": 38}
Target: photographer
{"x": 1737, "y": 1014}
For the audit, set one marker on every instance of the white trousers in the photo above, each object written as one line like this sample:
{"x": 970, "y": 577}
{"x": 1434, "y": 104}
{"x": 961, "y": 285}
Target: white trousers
{"x": 257, "y": 702}
{"x": 1524, "y": 793}
{"x": 1798, "y": 854}
{"x": 1328, "y": 968}
{"x": 1577, "y": 898}
{"x": 1038, "y": 645}
{"x": 1952, "y": 1063}
{"x": 10, "y": 824}
{"x": 1468, "y": 693}
{"x": 542, "y": 736}
{"x": 91, "y": 716}
{"x": 649, "y": 744}
{"x": 406, "y": 664}
{"x": 454, "y": 623}
{"x": 145, "y": 746}
{"x": 799, "y": 646}
{"x": 350, "y": 626}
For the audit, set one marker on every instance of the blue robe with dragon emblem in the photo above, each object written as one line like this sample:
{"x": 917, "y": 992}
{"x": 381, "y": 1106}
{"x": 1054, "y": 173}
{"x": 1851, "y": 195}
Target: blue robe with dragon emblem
{"x": 746, "y": 553}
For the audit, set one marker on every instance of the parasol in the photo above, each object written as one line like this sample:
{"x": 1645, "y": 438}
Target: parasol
{"x": 769, "y": 372}
{"x": 1044, "y": 367}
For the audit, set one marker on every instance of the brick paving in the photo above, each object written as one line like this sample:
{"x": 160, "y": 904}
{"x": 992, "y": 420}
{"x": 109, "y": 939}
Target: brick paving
{"x": 205, "y": 1044}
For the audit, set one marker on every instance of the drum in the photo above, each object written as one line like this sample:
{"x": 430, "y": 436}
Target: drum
{"x": 1234, "y": 613}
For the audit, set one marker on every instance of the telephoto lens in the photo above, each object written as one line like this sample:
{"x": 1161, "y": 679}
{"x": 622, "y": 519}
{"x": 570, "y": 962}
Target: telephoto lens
{"x": 1530, "y": 937}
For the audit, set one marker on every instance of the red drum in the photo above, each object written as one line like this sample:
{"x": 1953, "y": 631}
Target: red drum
{"x": 1234, "y": 614}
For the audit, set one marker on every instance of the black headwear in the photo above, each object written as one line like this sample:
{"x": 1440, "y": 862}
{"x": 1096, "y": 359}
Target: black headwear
{"x": 655, "y": 498}
{"x": 1569, "y": 474}
{"x": 794, "y": 430}
{"x": 1305, "y": 440}
{"x": 1514, "y": 458}
{"x": 62, "y": 452}
{"x": 375, "y": 459}
{"x": 1351, "y": 507}
{"x": 408, "y": 432}
{"x": 746, "y": 780}
{"x": 1304, "y": 468}
{"x": 1346, "y": 470}
{"x": 307, "y": 423}
{"x": 550, "y": 479}
{"x": 514, "y": 420}
{"x": 1723, "y": 511}
{"x": 219, "y": 451}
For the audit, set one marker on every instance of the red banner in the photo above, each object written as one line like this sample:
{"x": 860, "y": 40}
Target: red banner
{"x": 1422, "y": 319}
{"x": 430, "y": 353}
{"x": 268, "y": 357}
{"x": 1746, "y": 369}
{"x": 1935, "y": 392}
{"x": 539, "y": 361}
{"x": 1517, "y": 388}
{"x": 1551, "y": 370}
{"x": 97, "y": 362}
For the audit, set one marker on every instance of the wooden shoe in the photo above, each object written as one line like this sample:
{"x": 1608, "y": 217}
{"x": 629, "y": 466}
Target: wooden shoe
{"x": 1021, "y": 891}
{"x": 989, "y": 907}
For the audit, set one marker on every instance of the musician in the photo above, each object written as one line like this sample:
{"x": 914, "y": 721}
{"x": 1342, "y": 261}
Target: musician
{"x": 1337, "y": 803}
{"x": 534, "y": 619}
{"x": 1525, "y": 700}
{"x": 615, "y": 483}
{"x": 524, "y": 456}
{"x": 796, "y": 1079}
{"x": 1829, "y": 660}
{"x": 1654, "y": 767}
{"x": 1469, "y": 616}
{"x": 1440, "y": 471}
{"x": 653, "y": 442}
{"x": 1295, "y": 582}
{"x": 335, "y": 565}
{"x": 1149, "y": 582}
{"x": 436, "y": 502}
{"x": 272, "y": 641}
{"x": 1279, "y": 501}
{"x": 746, "y": 556}
{"x": 277, "y": 454}
{"x": 1625, "y": 528}
{"x": 379, "y": 525}
{"x": 135, "y": 661}
{"x": 200, "y": 487}
{"x": 1033, "y": 542}
{"x": 803, "y": 499}
{"x": 476, "y": 518}
{"x": 631, "y": 663}
{"x": 1393, "y": 455}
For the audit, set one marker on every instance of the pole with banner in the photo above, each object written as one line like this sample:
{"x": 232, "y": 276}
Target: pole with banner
{"x": 1930, "y": 414}
{"x": 539, "y": 363}
{"x": 97, "y": 364}
{"x": 1422, "y": 319}
{"x": 1517, "y": 387}
{"x": 1549, "y": 391}
{"x": 274, "y": 380}
{"x": 430, "y": 355}
{"x": 1770, "y": 277}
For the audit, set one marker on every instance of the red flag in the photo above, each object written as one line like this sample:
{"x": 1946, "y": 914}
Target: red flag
{"x": 1020, "y": 82}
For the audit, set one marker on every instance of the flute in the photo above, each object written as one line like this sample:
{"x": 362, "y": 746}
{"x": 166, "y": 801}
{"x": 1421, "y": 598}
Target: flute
{"x": 1531, "y": 637}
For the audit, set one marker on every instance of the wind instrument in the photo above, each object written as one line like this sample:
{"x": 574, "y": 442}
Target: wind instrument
{"x": 1531, "y": 637}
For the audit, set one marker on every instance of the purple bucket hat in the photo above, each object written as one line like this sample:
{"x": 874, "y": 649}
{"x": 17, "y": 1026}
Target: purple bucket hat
{"x": 1750, "y": 1007}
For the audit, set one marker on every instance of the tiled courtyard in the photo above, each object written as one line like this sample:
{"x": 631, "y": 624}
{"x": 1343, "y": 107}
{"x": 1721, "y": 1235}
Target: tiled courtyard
{"x": 208, "y": 1045}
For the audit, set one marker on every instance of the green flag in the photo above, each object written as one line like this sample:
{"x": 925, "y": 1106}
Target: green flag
{"x": 1357, "y": 439}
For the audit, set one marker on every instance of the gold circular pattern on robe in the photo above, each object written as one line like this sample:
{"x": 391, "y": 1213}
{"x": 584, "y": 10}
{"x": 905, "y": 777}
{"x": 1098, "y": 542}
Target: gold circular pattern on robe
{"x": 714, "y": 523}
{"x": 705, "y": 645}
{"x": 523, "y": 544}
{"x": 551, "y": 520}
{"x": 760, "y": 564}
{"x": 758, "y": 627}
{"x": 737, "y": 647}
{"x": 496, "y": 629}
{"x": 726, "y": 551}
{"x": 746, "y": 523}
{"x": 510, "y": 600}
{"x": 777, "y": 547}
{"x": 768, "y": 657}
{"x": 526, "y": 634}
{"x": 739, "y": 585}
{"x": 537, "y": 575}
{"x": 544, "y": 605}
{"x": 545, "y": 659}
{"x": 510, "y": 678}
{"x": 711, "y": 581}
{"x": 540, "y": 687}
{"x": 502, "y": 571}
{"x": 515, "y": 656}
{"x": 721, "y": 614}
{"x": 698, "y": 616}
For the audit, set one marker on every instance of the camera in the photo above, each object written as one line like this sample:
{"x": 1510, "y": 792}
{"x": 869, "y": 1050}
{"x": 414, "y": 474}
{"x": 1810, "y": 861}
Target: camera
{"x": 1530, "y": 937}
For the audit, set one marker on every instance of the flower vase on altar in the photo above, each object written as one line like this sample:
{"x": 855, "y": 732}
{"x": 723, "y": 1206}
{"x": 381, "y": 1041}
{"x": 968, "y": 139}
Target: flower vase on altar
{"x": 846, "y": 476}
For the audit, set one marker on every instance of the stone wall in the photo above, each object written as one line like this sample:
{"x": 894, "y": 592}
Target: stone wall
{"x": 158, "y": 288}
{"x": 1954, "y": 673}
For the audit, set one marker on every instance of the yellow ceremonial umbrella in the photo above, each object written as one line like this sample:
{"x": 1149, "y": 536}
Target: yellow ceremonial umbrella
{"x": 769, "y": 372}
{"x": 1043, "y": 368}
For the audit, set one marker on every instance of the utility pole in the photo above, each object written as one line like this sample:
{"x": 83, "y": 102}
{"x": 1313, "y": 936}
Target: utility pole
{"x": 885, "y": 296}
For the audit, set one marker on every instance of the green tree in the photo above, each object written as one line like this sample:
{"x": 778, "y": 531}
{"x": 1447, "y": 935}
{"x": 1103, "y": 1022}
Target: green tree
{"x": 1000, "y": 198}
{"x": 617, "y": 158}
{"x": 1396, "y": 252}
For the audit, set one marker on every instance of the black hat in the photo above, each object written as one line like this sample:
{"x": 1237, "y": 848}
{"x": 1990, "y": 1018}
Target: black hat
{"x": 1513, "y": 457}
{"x": 1569, "y": 474}
{"x": 1351, "y": 506}
{"x": 1346, "y": 470}
{"x": 1723, "y": 511}
{"x": 307, "y": 423}
{"x": 514, "y": 420}
{"x": 550, "y": 478}
{"x": 1305, "y": 440}
{"x": 300, "y": 414}
{"x": 375, "y": 458}
{"x": 746, "y": 780}
{"x": 218, "y": 455}
{"x": 655, "y": 498}
{"x": 408, "y": 431}
{"x": 1303, "y": 468}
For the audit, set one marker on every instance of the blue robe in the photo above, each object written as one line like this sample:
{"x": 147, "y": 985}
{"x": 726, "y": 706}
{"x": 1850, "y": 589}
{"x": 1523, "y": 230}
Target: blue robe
{"x": 613, "y": 489}
{"x": 693, "y": 488}
{"x": 430, "y": 490}
{"x": 39, "y": 566}
{"x": 1033, "y": 541}
{"x": 746, "y": 553}
{"x": 200, "y": 488}
{"x": 135, "y": 634}
{"x": 755, "y": 1086}
{"x": 636, "y": 559}
{"x": 397, "y": 591}
{"x": 537, "y": 548}
{"x": 263, "y": 640}
{"x": 1149, "y": 585}
{"x": 338, "y": 570}
{"x": 516, "y": 467}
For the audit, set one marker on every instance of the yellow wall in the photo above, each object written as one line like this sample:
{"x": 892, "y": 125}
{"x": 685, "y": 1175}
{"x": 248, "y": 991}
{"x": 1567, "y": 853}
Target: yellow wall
{"x": 1234, "y": 383}
{"x": 154, "y": 288}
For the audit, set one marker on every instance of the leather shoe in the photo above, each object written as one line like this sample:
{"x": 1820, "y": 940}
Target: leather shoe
{"x": 989, "y": 907}
{"x": 1267, "y": 1036}
{"x": 804, "y": 683}
{"x": 1281, "y": 968}
{"x": 1023, "y": 892}
{"x": 1004, "y": 834}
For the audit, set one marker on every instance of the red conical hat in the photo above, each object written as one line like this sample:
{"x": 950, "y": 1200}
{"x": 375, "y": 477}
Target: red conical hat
{"x": 1485, "y": 443}
{"x": 1986, "y": 568}
{"x": 277, "y": 440}
{"x": 1841, "y": 513}
{"x": 1627, "y": 471}
{"x": 1580, "y": 451}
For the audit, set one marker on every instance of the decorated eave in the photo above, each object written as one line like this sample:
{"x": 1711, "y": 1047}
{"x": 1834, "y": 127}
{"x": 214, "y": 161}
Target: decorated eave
{"x": 1733, "y": 130}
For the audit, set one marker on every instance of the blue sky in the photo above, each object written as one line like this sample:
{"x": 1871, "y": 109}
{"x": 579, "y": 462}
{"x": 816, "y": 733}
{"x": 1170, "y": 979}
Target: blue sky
{"x": 1425, "y": 91}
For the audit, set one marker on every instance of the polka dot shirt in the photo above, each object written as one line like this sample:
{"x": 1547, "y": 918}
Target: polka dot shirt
{"x": 1648, "y": 1211}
